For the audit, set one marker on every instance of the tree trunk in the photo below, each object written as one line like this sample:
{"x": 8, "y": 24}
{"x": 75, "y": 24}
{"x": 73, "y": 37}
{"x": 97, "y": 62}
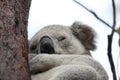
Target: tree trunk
{"x": 13, "y": 39}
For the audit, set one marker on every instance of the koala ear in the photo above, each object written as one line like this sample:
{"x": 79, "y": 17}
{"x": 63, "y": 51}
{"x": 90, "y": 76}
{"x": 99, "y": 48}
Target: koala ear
{"x": 85, "y": 34}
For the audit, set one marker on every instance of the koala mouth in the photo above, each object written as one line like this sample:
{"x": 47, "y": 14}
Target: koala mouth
{"x": 46, "y": 45}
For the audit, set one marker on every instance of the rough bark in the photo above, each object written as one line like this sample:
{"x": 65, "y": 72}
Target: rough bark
{"x": 13, "y": 39}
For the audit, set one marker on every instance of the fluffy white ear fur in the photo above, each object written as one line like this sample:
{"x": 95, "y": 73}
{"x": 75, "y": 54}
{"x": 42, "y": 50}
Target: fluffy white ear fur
{"x": 85, "y": 34}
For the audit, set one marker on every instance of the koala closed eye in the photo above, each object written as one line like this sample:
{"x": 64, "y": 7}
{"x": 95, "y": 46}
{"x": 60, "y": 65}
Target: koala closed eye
{"x": 61, "y": 38}
{"x": 33, "y": 48}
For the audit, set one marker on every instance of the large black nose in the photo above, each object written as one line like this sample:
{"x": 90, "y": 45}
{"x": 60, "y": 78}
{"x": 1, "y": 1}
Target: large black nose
{"x": 46, "y": 45}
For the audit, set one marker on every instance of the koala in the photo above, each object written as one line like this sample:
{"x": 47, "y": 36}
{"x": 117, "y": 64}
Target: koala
{"x": 59, "y": 52}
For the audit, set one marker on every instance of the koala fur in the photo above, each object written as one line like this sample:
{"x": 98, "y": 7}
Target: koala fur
{"x": 63, "y": 53}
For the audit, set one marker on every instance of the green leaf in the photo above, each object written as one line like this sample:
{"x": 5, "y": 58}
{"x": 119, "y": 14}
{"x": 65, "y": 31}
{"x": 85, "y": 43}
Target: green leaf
{"x": 119, "y": 42}
{"x": 118, "y": 30}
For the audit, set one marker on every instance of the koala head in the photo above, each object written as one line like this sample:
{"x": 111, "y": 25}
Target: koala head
{"x": 59, "y": 39}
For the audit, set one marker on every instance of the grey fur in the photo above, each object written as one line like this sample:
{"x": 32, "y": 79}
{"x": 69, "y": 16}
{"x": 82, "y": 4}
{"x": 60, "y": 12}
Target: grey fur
{"x": 71, "y": 59}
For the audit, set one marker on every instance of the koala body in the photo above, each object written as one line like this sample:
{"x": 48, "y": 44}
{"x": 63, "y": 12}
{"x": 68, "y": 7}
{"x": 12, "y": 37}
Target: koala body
{"x": 62, "y": 53}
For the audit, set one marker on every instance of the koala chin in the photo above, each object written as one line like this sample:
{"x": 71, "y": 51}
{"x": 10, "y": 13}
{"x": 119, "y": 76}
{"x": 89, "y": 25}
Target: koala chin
{"x": 59, "y": 52}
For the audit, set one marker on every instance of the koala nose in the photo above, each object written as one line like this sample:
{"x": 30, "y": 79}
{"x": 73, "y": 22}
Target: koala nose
{"x": 46, "y": 45}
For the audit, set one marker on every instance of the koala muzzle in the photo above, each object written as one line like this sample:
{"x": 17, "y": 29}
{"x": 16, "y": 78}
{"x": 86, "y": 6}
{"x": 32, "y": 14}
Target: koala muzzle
{"x": 46, "y": 45}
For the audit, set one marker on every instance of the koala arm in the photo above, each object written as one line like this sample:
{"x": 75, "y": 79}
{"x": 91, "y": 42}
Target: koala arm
{"x": 42, "y": 62}
{"x": 45, "y": 62}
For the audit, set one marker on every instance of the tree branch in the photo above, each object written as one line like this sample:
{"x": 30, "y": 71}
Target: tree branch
{"x": 92, "y": 12}
{"x": 110, "y": 39}
{"x": 114, "y": 17}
